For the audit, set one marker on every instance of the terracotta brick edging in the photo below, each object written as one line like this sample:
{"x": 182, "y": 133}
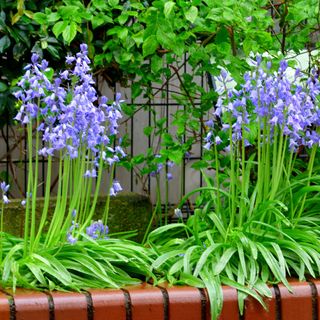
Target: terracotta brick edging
{"x": 158, "y": 303}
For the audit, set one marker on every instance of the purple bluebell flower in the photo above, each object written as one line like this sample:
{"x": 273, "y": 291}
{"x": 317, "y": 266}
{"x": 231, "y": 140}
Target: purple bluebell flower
{"x": 209, "y": 123}
{"x": 207, "y": 146}
{"x": 274, "y": 98}
{"x": 97, "y": 230}
{"x": 71, "y": 239}
{"x": 5, "y": 199}
{"x": 4, "y": 189}
{"x": 74, "y": 121}
{"x": 170, "y": 164}
{"x": 218, "y": 140}
{"x": 178, "y": 213}
{"x": 112, "y": 192}
{"x": 116, "y": 186}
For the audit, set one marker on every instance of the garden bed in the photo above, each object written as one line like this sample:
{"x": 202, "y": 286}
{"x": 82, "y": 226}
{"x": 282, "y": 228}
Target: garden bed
{"x": 157, "y": 303}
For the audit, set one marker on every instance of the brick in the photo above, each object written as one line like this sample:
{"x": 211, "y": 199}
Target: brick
{"x": 296, "y": 305}
{"x": 147, "y": 302}
{"x": 317, "y": 300}
{"x": 69, "y": 306}
{"x": 4, "y": 307}
{"x": 31, "y": 305}
{"x": 184, "y": 303}
{"x": 230, "y": 304}
{"x": 254, "y": 310}
{"x": 108, "y": 304}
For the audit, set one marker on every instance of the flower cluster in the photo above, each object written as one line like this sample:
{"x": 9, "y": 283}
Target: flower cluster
{"x": 4, "y": 189}
{"x": 74, "y": 226}
{"x": 97, "y": 230}
{"x": 160, "y": 166}
{"x": 71, "y": 117}
{"x": 116, "y": 187}
{"x": 270, "y": 99}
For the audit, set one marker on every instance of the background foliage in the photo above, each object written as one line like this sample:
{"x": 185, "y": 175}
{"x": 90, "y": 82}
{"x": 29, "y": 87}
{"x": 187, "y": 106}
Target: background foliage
{"x": 138, "y": 44}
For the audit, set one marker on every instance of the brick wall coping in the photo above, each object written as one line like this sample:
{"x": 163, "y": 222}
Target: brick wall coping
{"x": 146, "y": 302}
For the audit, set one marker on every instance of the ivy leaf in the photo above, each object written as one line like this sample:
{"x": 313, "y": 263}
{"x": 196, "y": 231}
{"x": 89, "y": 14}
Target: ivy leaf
{"x": 135, "y": 90}
{"x": 192, "y": 14}
{"x": 215, "y": 14}
{"x": 156, "y": 63}
{"x": 167, "y": 140}
{"x": 228, "y": 14}
{"x": 100, "y": 19}
{"x": 68, "y": 12}
{"x": 147, "y": 131}
{"x": 123, "y": 18}
{"x": 44, "y": 44}
{"x": 168, "y": 8}
{"x": 150, "y": 45}
{"x": 138, "y": 37}
{"x": 16, "y": 18}
{"x": 28, "y": 13}
{"x": 4, "y": 43}
{"x": 53, "y": 51}
{"x": 137, "y": 159}
{"x": 113, "y": 3}
{"x": 40, "y": 18}
{"x": 166, "y": 37}
{"x": 3, "y": 86}
{"x": 175, "y": 155}
{"x": 59, "y": 27}
{"x": 249, "y": 45}
{"x": 100, "y": 4}
{"x": 201, "y": 164}
{"x": 70, "y": 32}
{"x": 53, "y": 16}
{"x": 122, "y": 33}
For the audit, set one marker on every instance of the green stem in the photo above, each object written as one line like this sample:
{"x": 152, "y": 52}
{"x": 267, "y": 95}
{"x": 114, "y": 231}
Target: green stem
{"x": 188, "y": 195}
{"x": 166, "y": 201}
{"x": 29, "y": 188}
{"x": 54, "y": 233}
{"x": 195, "y": 226}
{"x": 106, "y": 209}
{"x": 46, "y": 204}
{"x": 34, "y": 191}
{"x": 274, "y": 153}
{"x": 267, "y": 160}
{"x": 78, "y": 167}
{"x": 58, "y": 200}
{"x": 310, "y": 169}
{"x": 154, "y": 212}
{"x": 218, "y": 198}
{"x": 260, "y": 165}
{"x": 243, "y": 181}
{"x": 232, "y": 179}
{"x": 159, "y": 200}
{"x": 281, "y": 150}
{"x": 96, "y": 193}
{"x": 1, "y": 231}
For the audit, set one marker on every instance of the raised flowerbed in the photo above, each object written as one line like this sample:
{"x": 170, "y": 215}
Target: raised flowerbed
{"x": 255, "y": 222}
{"x": 158, "y": 303}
